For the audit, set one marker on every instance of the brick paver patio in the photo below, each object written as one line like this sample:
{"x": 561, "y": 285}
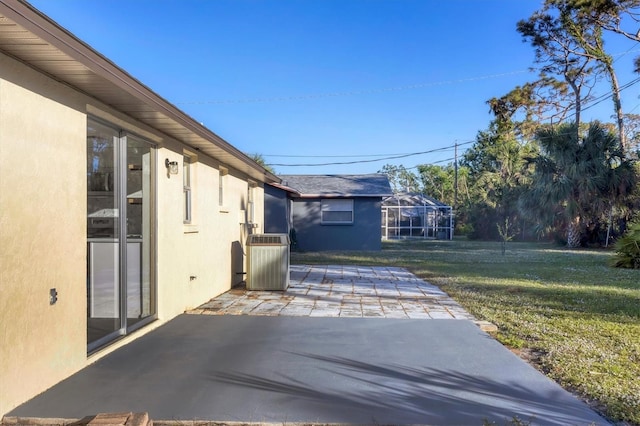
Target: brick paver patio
{"x": 342, "y": 291}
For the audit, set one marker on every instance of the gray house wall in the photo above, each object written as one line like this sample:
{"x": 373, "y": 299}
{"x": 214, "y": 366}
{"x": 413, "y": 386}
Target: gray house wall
{"x": 276, "y": 210}
{"x": 363, "y": 234}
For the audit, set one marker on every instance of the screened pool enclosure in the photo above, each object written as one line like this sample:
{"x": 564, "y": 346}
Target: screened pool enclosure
{"x": 416, "y": 216}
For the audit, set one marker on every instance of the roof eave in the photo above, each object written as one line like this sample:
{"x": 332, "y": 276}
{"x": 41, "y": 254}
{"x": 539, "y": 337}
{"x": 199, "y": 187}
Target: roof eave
{"x": 46, "y": 29}
{"x": 284, "y": 188}
{"x": 344, "y": 195}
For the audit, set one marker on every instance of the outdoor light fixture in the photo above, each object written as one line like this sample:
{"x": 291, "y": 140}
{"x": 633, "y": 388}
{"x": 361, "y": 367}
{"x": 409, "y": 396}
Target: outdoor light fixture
{"x": 172, "y": 167}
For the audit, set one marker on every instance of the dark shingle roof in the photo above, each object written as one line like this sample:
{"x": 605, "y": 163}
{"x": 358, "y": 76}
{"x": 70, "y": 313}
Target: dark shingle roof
{"x": 372, "y": 185}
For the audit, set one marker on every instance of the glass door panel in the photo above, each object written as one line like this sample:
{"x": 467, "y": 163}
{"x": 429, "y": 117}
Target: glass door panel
{"x": 140, "y": 301}
{"x": 120, "y": 238}
{"x": 103, "y": 232}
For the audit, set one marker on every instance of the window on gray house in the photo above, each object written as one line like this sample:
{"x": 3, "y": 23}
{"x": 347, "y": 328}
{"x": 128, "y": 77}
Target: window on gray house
{"x": 337, "y": 212}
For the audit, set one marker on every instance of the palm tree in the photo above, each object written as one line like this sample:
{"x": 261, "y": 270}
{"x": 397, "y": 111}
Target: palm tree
{"x": 259, "y": 158}
{"x": 576, "y": 178}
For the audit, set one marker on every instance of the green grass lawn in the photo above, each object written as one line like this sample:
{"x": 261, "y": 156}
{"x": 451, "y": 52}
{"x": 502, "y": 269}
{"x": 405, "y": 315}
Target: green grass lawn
{"x": 567, "y": 311}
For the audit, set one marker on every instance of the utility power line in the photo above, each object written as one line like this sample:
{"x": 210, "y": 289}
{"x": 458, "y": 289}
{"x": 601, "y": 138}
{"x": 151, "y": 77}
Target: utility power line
{"x": 376, "y": 90}
{"x": 599, "y": 99}
{"x": 352, "y": 92}
{"x": 385, "y": 157}
{"x": 594, "y": 102}
{"x": 446, "y": 148}
{"x": 341, "y": 156}
{"x": 446, "y": 160}
{"x": 394, "y": 157}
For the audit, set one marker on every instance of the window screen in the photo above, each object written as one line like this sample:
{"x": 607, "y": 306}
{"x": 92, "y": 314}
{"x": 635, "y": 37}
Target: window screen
{"x": 337, "y": 211}
{"x": 186, "y": 180}
{"x": 221, "y": 185}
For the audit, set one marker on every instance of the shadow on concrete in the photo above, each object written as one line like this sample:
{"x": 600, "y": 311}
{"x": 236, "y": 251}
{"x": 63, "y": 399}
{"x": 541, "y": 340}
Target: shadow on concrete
{"x": 432, "y": 396}
{"x": 327, "y": 370}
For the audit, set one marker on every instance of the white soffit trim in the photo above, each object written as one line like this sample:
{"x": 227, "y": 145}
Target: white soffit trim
{"x": 34, "y": 39}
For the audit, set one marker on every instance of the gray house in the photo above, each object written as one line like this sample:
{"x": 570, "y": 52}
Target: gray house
{"x": 328, "y": 212}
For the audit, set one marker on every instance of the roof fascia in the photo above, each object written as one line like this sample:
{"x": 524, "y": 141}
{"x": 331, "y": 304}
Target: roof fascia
{"x": 343, "y": 195}
{"x": 284, "y": 188}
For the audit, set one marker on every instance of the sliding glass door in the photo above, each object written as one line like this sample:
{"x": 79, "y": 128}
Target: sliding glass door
{"x": 140, "y": 291}
{"x": 120, "y": 237}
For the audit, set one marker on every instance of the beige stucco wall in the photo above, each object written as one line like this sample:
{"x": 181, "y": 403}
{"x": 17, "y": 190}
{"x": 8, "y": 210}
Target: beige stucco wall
{"x": 208, "y": 247}
{"x": 42, "y": 234}
{"x": 43, "y": 230}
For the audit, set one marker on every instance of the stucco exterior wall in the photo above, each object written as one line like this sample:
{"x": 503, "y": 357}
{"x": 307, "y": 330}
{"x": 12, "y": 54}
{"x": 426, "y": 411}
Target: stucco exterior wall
{"x": 42, "y": 233}
{"x": 43, "y": 240}
{"x": 363, "y": 234}
{"x": 210, "y": 248}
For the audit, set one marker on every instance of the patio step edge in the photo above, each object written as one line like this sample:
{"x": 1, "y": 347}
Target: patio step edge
{"x": 104, "y": 419}
{"x": 486, "y": 326}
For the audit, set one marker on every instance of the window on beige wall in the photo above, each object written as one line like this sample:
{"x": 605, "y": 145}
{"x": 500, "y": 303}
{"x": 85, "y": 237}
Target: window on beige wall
{"x": 187, "y": 181}
{"x": 251, "y": 215}
{"x": 222, "y": 183}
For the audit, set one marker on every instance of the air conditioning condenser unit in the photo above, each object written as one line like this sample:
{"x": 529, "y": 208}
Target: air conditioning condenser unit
{"x": 268, "y": 262}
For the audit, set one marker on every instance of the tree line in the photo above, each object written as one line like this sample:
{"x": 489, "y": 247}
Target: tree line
{"x": 538, "y": 171}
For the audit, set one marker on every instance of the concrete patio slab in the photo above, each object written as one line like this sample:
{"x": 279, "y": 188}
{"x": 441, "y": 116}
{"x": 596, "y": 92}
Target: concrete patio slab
{"x": 329, "y": 370}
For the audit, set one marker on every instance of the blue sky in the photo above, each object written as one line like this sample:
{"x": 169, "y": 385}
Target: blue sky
{"x": 326, "y": 81}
